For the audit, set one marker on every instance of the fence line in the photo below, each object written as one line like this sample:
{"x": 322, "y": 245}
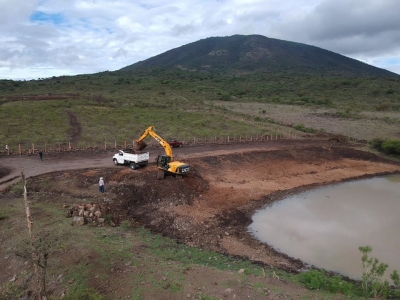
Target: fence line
{"x": 106, "y": 145}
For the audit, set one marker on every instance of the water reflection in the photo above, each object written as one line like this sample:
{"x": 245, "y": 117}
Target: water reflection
{"x": 326, "y": 226}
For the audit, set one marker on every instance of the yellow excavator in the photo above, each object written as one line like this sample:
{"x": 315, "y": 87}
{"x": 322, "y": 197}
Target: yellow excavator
{"x": 165, "y": 162}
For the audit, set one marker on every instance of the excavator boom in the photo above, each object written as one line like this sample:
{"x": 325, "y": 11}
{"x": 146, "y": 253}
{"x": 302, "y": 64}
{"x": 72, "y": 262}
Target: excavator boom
{"x": 165, "y": 162}
{"x": 140, "y": 144}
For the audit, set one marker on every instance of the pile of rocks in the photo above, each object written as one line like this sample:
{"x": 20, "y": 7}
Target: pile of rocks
{"x": 89, "y": 213}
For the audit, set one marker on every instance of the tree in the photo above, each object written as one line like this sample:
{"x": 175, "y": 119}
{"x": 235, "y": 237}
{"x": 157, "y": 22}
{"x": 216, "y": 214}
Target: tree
{"x": 372, "y": 283}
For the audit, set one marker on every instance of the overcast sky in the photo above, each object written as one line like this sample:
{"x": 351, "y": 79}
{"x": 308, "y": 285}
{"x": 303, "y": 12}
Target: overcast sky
{"x": 45, "y": 38}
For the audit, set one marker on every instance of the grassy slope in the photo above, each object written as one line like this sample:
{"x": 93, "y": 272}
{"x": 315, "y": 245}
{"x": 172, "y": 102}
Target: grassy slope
{"x": 119, "y": 105}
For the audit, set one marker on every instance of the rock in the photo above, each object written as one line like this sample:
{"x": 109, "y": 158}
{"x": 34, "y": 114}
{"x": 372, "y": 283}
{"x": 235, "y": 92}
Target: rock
{"x": 81, "y": 211}
{"x": 14, "y": 278}
{"x": 101, "y": 220}
{"x": 86, "y": 213}
{"x": 59, "y": 279}
{"x": 78, "y": 221}
{"x": 241, "y": 271}
{"x": 97, "y": 214}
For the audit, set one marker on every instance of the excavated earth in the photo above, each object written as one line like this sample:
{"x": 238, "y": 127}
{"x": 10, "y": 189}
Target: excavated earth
{"x": 212, "y": 207}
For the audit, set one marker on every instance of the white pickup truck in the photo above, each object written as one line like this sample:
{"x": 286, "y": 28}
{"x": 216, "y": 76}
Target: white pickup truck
{"x": 132, "y": 158}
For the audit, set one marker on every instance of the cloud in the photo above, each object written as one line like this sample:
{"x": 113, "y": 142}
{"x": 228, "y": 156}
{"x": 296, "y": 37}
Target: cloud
{"x": 75, "y": 36}
{"x": 356, "y": 27}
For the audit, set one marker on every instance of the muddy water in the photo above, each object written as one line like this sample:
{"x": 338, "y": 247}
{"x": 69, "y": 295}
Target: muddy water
{"x": 325, "y": 227}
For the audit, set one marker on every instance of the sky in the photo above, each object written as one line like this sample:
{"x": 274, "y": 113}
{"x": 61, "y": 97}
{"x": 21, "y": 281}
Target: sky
{"x": 45, "y": 38}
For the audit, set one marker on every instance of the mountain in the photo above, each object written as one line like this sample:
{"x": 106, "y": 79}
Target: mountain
{"x": 243, "y": 54}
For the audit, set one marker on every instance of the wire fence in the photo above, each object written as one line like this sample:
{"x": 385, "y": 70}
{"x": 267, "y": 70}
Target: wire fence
{"x": 108, "y": 145}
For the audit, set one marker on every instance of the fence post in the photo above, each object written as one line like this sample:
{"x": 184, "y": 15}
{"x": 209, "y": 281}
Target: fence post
{"x": 115, "y": 144}
{"x": 69, "y": 146}
{"x": 125, "y": 145}
{"x": 33, "y": 148}
{"x": 19, "y": 149}
{"x": 105, "y": 145}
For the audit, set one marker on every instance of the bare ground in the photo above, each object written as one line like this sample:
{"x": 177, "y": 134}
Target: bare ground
{"x": 212, "y": 207}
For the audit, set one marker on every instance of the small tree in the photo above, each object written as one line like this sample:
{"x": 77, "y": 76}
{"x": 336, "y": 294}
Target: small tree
{"x": 372, "y": 282}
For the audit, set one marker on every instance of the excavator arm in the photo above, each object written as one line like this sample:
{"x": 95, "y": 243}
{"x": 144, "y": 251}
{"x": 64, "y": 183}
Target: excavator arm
{"x": 140, "y": 144}
{"x": 165, "y": 162}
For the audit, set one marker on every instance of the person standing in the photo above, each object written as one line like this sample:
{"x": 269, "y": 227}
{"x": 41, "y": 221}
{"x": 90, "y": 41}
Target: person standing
{"x": 101, "y": 185}
{"x": 41, "y": 155}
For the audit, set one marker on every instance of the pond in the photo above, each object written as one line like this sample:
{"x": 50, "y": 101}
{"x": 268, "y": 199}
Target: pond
{"x": 324, "y": 227}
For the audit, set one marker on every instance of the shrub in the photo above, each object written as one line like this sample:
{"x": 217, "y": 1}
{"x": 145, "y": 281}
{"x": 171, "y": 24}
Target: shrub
{"x": 388, "y": 146}
{"x": 317, "y": 280}
{"x": 225, "y": 97}
{"x": 125, "y": 224}
{"x": 372, "y": 282}
{"x": 382, "y": 106}
{"x": 376, "y": 143}
{"x": 301, "y": 127}
{"x": 391, "y": 147}
{"x": 3, "y": 216}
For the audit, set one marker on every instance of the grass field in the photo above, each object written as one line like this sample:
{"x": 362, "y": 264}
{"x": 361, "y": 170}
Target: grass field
{"x": 118, "y": 106}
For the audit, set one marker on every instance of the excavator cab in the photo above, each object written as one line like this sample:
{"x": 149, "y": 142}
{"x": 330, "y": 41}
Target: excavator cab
{"x": 163, "y": 161}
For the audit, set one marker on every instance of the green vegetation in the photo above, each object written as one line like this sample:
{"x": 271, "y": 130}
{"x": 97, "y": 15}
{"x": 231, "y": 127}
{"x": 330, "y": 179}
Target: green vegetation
{"x": 118, "y": 106}
{"x": 388, "y": 146}
{"x": 83, "y": 292}
{"x": 3, "y": 215}
{"x": 301, "y": 127}
{"x": 374, "y": 286}
{"x": 319, "y": 280}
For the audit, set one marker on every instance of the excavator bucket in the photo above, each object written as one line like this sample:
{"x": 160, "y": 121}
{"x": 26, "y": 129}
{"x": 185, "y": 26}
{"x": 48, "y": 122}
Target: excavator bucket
{"x": 140, "y": 145}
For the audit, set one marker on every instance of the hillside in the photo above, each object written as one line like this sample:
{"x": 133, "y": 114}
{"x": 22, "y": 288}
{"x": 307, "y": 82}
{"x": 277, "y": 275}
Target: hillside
{"x": 240, "y": 54}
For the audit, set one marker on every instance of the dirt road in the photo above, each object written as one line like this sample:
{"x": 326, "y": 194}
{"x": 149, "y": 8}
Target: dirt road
{"x": 13, "y": 165}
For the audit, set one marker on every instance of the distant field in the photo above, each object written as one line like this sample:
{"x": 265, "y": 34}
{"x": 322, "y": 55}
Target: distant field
{"x": 364, "y": 125}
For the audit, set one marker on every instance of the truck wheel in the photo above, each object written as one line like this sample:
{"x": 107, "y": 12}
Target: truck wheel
{"x": 160, "y": 174}
{"x": 133, "y": 166}
{"x": 115, "y": 161}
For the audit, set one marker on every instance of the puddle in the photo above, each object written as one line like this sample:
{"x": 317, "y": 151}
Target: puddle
{"x": 325, "y": 227}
